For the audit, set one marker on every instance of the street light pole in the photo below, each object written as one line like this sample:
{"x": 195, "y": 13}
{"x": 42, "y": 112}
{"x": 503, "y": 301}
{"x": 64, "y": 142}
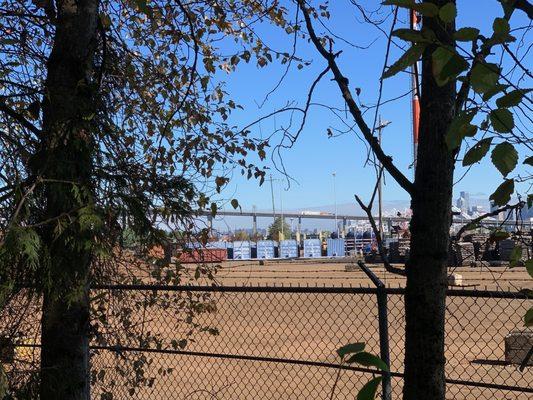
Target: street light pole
{"x": 272, "y": 194}
{"x": 281, "y": 208}
{"x": 381, "y": 125}
{"x": 335, "y": 202}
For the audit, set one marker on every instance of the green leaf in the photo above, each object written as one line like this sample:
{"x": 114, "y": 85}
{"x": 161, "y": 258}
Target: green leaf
{"x": 529, "y": 161}
{"x": 427, "y": 9}
{"x": 448, "y": 12}
{"x": 368, "y": 392}
{"x": 495, "y": 90}
{"x": 516, "y": 256}
{"x": 530, "y": 200}
{"x": 466, "y": 34}
{"x": 350, "y": 349}
{"x": 511, "y": 99}
{"x": 459, "y": 128}
{"x": 504, "y": 157}
{"x": 143, "y": 7}
{"x": 529, "y": 267}
{"x": 235, "y": 203}
{"x": 477, "y": 152}
{"x": 501, "y": 27}
{"x": 484, "y": 77}
{"x": 502, "y": 120}
{"x": 502, "y": 194}
{"x": 410, "y": 35}
{"x": 447, "y": 64}
{"x": 368, "y": 360}
{"x": 407, "y": 59}
{"x": 528, "y": 318}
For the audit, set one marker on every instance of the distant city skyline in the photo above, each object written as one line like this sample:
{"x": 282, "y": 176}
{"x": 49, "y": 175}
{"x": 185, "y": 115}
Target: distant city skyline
{"x": 476, "y": 204}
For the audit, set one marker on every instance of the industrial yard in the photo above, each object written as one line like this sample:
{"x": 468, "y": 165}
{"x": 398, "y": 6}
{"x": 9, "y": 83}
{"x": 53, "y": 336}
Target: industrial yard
{"x": 280, "y": 323}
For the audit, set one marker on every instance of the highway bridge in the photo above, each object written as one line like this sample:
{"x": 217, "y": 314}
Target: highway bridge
{"x": 344, "y": 218}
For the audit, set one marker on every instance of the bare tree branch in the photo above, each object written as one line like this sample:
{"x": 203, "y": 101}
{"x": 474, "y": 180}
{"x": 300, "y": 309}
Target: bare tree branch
{"x": 19, "y": 118}
{"x": 342, "y": 82}
{"x": 377, "y": 232}
{"x": 523, "y": 5}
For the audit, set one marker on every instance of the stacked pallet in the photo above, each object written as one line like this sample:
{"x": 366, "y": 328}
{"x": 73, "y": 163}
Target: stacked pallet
{"x": 489, "y": 251}
{"x": 480, "y": 242}
{"x": 505, "y": 248}
{"x": 464, "y": 254}
{"x": 399, "y": 251}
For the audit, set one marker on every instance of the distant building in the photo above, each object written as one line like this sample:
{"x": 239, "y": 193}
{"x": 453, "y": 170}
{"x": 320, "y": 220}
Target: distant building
{"x": 463, "y": 202}
{"x": 477, "y": 210}
{"x": 494, "y": 207}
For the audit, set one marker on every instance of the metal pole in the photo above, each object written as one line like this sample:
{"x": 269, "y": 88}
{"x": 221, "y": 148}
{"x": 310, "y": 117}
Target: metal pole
{"x": 384, "y": 340}
{"x": 383, "y": 329}
{"x": 272, "y": 193}
{"x": 335, "y": 202}
{"x": 281, "y": 207}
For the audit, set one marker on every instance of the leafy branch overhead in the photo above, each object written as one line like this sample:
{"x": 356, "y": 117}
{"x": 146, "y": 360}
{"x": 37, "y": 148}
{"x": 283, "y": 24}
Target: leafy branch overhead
{"x": 487, "y": 100}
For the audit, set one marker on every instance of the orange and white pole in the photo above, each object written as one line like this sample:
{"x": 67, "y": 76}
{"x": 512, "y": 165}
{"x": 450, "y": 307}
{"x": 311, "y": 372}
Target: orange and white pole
{"x": 415, "y": 20}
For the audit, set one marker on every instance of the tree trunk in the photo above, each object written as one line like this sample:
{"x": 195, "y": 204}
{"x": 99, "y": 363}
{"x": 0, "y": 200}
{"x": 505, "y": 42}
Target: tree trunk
{"x": 425, "y": 299}
{"x": 64, "y": 162}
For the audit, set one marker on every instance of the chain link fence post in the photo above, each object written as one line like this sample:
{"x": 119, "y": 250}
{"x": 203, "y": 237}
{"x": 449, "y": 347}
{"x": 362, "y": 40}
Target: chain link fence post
{"x": 383, "y": 329}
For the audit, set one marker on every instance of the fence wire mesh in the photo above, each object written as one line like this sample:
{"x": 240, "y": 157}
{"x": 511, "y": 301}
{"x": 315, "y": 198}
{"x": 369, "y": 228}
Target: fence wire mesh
{"x": 279, "y": 343}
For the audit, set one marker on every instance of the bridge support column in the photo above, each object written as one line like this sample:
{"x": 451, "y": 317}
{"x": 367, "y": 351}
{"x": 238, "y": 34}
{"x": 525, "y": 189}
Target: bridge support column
{"x": 299, "y": 230}
{"x": 343, "y": 231}
{"x": 254, "y": 225}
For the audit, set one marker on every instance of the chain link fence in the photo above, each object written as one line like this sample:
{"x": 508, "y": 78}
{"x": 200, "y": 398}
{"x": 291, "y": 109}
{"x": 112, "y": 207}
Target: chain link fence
{"x": 185, "y": 342}
{"x": 280, "y": 343}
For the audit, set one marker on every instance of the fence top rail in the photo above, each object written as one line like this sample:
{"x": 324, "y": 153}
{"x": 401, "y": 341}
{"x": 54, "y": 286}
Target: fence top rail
{"x": 309, "y": 289}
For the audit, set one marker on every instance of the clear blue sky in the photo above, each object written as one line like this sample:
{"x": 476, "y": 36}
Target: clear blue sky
{"x": 314, "y": 157}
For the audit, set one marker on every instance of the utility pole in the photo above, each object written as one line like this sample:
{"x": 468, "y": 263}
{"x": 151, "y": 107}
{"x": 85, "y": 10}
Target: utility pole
{"x": 272, "y": 194}
{"x": 381, "y": 125}
{"x": 281, "y": 208}
{"x": 335, "y": 202}
{"x": 254, "y": 221}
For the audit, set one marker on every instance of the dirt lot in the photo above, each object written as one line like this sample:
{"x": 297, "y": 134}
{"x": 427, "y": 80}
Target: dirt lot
{"x": 331, "y": 272}
{"x": 311, "y": 326}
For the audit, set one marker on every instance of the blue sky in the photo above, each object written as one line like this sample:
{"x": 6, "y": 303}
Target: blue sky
{"x": 314, "y": 157}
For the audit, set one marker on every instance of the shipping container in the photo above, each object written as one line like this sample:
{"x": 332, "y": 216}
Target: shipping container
{"x": 242, "y": 250}
{"x": 265, "y": 249}
{"x": 336, "y": 248}
{"x": 202, "y": 256}
{"x": 217, "y": 245}
{"x": 312, "y": 248}
{"x": 288, "y": 249}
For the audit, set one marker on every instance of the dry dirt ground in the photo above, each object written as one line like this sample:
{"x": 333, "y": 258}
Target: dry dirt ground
{"x": 311, "y": 326}
{"x": 331, "y": 272}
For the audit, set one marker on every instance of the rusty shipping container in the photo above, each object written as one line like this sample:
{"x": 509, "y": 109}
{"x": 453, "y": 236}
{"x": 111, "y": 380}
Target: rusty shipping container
{"x": 197, "y": 256}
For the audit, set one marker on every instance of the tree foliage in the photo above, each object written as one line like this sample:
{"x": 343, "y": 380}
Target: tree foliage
{"x": 276, "y": 228}
{"x": 153, "y": 131}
